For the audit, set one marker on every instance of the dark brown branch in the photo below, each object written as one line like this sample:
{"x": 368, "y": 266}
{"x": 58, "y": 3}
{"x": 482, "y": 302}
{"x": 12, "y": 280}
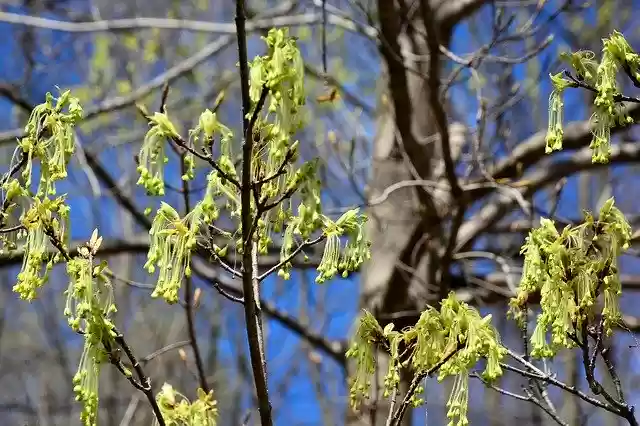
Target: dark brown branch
{"x": 250, "y": 287}
{"x": 435, "y": 101}
{"x": 581, "y": 84}
{"x": 188, "y": 288}
{"x": 144, "y": 379}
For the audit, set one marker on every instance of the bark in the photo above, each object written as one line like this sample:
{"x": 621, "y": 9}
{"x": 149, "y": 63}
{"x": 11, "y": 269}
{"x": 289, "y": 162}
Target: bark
{"x": 406, "y": 228}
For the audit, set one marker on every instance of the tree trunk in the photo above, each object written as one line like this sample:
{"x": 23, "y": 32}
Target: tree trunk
{"x": 406, "y": 223}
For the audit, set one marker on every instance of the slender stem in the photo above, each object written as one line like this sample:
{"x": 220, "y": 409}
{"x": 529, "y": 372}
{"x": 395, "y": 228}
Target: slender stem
{"x": 144, "y": 379}
{"x": 399, "y": 414}
{"x": 529, "y": 397}
{"x": 188, "y": 298}
{"x": 307, "y": 243}
{"x": 582, "y": 84}
{"x": 392, "y": 406}
{"x": 249, "y": 255}
{"x": 533, "y": 384}
{"x": 11, "y": 229}
{"x": 144, "y": 382}
{"x": 535, "y": 373}
{"x": 15, "y": 169}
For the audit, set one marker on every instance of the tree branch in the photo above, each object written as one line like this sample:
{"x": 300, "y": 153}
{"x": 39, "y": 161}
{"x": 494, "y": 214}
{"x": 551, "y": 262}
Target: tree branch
{"x": 529, "y": 152}
{"x": 580, "y": 161}
{"x": 173, "y": 73}
{"x": 140, "y": 23}
{"x": 250, "y": 284}
{"x": 451, "y": 12}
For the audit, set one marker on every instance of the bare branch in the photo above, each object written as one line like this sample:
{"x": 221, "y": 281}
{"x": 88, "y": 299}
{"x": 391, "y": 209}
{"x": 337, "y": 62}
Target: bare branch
{"x": 140, "y": 23}
{"x": 173, "y": 73}
{"x": 451, "y": 12}
{"x": 580, "y": 161}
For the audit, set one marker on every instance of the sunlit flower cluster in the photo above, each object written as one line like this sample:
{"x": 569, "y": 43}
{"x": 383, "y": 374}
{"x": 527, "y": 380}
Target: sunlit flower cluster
{"x": 177, "y": 410}
{"x": 44, "y": 216}
{"x": 570, "y": 270}
{"x": 335, "y": 258}
{"x": 152, "y": 157}
{"x": 366, "y": 340}
{"x": 50, "y": 140}
{"x": 89, "y": 308}
{"x": 172, "y": 241}
{"x": 601, "y": 77}
{"x": 202, "y": 139}
{"x": 456, "y": 332}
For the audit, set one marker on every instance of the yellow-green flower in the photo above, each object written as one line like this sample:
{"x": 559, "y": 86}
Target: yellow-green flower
{"x": 152, "y": 157}
{"x": 172, "y": 241}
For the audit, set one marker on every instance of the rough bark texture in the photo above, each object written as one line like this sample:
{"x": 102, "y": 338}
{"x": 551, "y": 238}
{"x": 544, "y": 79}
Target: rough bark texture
{"x": 406, "y": 227}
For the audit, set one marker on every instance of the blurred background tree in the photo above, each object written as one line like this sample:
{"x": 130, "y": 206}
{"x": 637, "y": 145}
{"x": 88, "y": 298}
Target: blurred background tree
{"x": 431, "y": 114}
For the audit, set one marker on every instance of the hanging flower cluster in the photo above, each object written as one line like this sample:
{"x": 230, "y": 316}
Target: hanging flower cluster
{"x": 617, "y": 55}
{"x": 49, "y": 139}
{"x": 351, "y": 225}
{"x": 177, "y": 410}
{"x": 335, "y": 259}
{"x": 456, "y": 331}
{"x": 202, "y": 138}
{"x": 45, "y": 217}
{"x": 152, "y": 156}
{"x": 172, "y": 241}
{"x": 571, "y": 270}
{"x": 556, "y": 108}
{"x": 89, "y": 308}
{"x": 16, "y": 200}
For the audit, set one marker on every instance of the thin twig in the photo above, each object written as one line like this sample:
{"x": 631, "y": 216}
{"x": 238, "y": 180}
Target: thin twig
{"x": 144, "y": 379}
{"x": 188, "y": 288}
{"x": 535, "y": 373}
{"x": 11, "y": 229}
{"x": 163, "y": 350}
{"x": 528, "y": 398}
{"x": 399, "y": 414}
{"x": 392, "y": 406}
{"x": 249, "y": 279}
{"x": 617, "y": 97}
{"x": 283, "y": 262}
{"x": 230, "y": 269}
{"x": 279, "y": 171}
